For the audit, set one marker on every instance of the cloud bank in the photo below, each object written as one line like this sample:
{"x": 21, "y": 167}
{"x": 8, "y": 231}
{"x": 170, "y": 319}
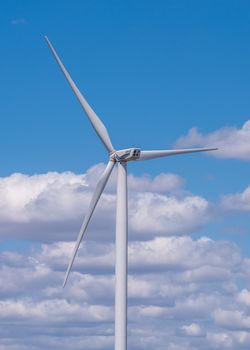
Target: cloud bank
{"x": 188, "y": 293}
{"x": 50, "y": 207}
{"x": 233, "y": 142}
{"x": 237, "y": 202}
{"x": 182, "y": 292}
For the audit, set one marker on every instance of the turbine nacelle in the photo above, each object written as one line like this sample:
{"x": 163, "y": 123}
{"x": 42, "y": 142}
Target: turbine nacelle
{"x": 126, "y": 155}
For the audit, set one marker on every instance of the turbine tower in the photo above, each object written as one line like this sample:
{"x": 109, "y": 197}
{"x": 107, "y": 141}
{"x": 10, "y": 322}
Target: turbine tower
{"x": 121, "y": 158}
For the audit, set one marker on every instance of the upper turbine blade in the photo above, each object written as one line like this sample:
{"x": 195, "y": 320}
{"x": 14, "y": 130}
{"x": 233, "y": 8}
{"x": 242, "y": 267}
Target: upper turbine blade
{"x": 94, "y": 119}
{"x": 164, "y": 153}
{"x": 97, "y": 194}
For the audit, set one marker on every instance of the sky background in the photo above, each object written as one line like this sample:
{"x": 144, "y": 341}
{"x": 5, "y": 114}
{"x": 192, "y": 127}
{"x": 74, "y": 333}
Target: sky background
{"x": 160, "y": 74}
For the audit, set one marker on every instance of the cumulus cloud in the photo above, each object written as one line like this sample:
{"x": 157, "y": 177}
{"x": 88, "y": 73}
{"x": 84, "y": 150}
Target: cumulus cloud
{"x": 220, "y": 340}
{"x": 159, "y": 184}
{"x": 176, "y": 296}
{"x": 152, "y": 212}
{"x": 162, "y": 183}
{"x": 183, "y": 292}
{"x": 192, "y": 330}
{"x": 244, "y": 297}
{"x": 50, "y": 207}
{"x": 237, "y": 202}
{"x": 232, "y": 319}
{"x": 233, "y": 142}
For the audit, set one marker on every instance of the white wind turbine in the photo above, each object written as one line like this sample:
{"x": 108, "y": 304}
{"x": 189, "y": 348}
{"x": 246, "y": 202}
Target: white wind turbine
{"x": 120, "y": 158}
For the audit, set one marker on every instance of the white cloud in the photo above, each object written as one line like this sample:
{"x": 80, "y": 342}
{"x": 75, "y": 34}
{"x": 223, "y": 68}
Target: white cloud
{"x": 50, "y": 207}
{"x": 164, "y": 182}
{"x": 233, "y": 142}
{"x": 242, "y": 338}
{"x": 220, "y": 340}
{"x": 175, "y": 252}
{"x": 232, "y": 319}
{"x": 159, "y": 184}
{"x": 237, "y": 202}
{"x": 25, "y": 198}
{"x": 171, "y": 279}
{"x": 244, "y": 297}
{"x": 152, "y": 212}
{"x": 192, "y": 330}
{"x": 53, "y": 311}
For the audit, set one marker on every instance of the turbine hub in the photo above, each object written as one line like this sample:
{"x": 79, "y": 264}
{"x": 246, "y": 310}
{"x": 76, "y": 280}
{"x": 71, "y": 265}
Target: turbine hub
{"x": 126, "y": 155}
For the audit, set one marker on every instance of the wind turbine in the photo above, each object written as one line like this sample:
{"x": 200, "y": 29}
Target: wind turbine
{"x": 119, "y": 157}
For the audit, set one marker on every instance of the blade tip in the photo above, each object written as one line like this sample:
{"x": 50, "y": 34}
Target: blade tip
{"x": 47, "y": 40}
{"x": 64, "y": 283}
{"x": 66, "y": 278}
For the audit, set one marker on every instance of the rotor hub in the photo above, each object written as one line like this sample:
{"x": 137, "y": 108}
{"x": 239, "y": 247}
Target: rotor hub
{"x": 125, "y": 155}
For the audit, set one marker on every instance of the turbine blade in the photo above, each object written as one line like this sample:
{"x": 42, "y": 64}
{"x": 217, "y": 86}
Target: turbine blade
{"x": 145, "y": 155}
{"x": 97, "y": 194}
{"x": 94, "y": 119}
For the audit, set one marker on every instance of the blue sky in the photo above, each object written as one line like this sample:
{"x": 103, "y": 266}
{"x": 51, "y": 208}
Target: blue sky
{"x": 151, "y": 71}
{"x": 160, "y": 74}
